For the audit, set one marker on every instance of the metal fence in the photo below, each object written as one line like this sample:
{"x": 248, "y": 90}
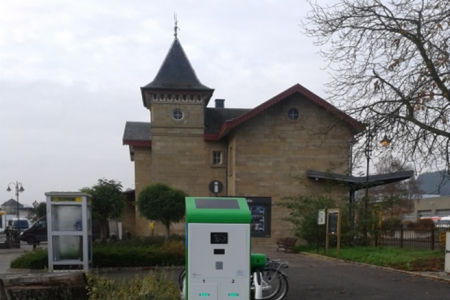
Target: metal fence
{"x": 422, "y": 238}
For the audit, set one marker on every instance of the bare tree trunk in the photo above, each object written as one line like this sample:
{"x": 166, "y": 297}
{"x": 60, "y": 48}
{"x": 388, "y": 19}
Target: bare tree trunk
{"x": 103, "y": 229}
{"x": 167, "y": 230}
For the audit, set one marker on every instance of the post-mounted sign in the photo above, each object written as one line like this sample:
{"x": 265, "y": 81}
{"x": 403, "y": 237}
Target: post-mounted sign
{"x": 321, "y": 217}
{"x": 333, "y": 227}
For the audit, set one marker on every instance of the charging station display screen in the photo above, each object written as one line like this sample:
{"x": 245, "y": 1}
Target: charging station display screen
{"x": 219, "y": 238}
{"x": 217, "y": 204}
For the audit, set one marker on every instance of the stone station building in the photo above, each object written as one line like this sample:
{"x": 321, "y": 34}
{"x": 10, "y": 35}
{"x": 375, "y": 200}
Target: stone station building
{"x": 254, "y": 153}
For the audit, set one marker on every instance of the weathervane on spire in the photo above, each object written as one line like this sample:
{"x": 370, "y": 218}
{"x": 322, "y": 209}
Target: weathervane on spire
{"x": 176, "y": 28}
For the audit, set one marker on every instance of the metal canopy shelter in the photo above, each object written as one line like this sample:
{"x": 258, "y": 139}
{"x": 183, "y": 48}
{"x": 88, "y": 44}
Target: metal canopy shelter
{"x": 359, "y": 183}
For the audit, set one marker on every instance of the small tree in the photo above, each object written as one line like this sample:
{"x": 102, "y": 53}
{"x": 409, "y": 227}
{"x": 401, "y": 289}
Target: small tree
{"x": 303, "y": 215}
{"x": 40, "y": 209}
{"x": 303, "y": 210}
{"x": 396, "y": 199}
{"x": 162, "y": 203}
{"x": 107, "y": 202}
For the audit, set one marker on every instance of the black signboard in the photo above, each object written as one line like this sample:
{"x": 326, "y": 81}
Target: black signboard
{"x": 219, "y": 238}
{"x": 333, "y": 221}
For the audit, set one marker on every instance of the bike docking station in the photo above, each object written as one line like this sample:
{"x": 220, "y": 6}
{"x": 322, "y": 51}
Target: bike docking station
{"x": 69, "y": 229}
{"x": 218, "y": 259}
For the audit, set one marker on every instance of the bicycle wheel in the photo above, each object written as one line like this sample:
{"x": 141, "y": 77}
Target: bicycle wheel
{"x": 274, "y": 284}
{"x": 181, "y": 279}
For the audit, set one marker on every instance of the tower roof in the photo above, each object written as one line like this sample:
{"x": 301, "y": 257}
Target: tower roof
{"x": 176, "y": 72}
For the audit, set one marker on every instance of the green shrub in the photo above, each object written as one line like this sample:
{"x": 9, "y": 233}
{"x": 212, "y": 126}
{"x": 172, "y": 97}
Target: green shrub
{"x": 425, "y": 223}
{"x": 154, "y": 286}
{"x": 37, "y": 259}
{"x": 156, "y": 241}
{"x": 113, "y": 255}
{"x": 116, "y": 255}
{"x": 303, "y": 215}
{"x": 409, "y": 224}
{"x": 391, "y": 223}
{"x": 110, "y": 256}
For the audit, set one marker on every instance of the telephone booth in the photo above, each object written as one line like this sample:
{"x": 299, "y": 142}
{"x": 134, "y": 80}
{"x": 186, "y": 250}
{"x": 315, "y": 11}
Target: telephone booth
{"x": 69, "y": 228}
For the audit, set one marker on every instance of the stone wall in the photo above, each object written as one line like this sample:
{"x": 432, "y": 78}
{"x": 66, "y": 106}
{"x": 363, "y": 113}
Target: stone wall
{"x": 262, "y": 156}
{"x": 270, "y": 150}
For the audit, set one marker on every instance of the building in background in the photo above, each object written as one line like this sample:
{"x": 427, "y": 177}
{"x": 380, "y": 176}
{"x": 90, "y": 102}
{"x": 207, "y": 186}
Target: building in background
{"x": 10, "y": 208}
{"x": 432, "y": 206}
{"x": 218, "y": 151}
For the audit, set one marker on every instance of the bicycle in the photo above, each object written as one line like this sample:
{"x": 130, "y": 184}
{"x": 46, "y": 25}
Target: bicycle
{"x": 272, "y": 282}
{"x": 12, "y": 234}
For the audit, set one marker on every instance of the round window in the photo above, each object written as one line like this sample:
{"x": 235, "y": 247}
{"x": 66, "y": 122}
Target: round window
{"x": 177, "y": 114}
{"x": 293, "y": 114}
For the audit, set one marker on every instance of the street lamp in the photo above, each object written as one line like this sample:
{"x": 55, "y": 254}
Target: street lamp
{"x": 351, "y": 191}
{"x": 19, "y": 189}
{"x": 384, "y": 142}
{"x": 367, "y": 151}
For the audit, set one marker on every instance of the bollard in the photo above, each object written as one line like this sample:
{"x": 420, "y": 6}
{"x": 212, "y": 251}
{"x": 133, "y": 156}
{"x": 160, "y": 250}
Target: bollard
{"x": 447, "y": 252}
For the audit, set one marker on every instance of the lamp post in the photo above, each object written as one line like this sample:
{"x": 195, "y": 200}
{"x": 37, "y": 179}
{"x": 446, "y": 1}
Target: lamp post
{"x": 351, "y": 192}
{"x": 384, "y": 142}
{"x": 367, "y": 151}
{"x": 19, "y": 189}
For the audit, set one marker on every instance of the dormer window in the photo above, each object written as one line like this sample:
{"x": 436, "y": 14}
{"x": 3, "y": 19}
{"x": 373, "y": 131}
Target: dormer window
{"x": 177, "y": 114}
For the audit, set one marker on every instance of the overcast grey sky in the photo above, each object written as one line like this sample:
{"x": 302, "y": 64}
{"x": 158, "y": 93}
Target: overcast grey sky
{"x": 71, "y": 73}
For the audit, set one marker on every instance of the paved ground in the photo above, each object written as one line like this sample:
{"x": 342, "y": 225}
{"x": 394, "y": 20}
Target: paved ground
{"x": 7, "y": 255}
{"x": 315, "y": 277}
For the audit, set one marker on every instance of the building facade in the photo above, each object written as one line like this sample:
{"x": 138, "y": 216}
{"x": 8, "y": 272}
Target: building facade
{"x": 254, "y": 153}
{"x": 428, "y": 207}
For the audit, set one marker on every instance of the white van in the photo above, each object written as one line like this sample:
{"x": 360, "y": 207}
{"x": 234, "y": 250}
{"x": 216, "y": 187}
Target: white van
{"x": 444, "y": 222}
{"x": 2, "y": 221}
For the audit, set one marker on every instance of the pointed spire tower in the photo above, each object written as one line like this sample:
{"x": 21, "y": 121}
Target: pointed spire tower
{"x": 176, "y": 81}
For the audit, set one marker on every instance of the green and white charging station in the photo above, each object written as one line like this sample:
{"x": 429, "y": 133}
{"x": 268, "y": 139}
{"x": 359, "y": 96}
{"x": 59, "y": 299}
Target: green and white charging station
{"x": 217, "y": 249}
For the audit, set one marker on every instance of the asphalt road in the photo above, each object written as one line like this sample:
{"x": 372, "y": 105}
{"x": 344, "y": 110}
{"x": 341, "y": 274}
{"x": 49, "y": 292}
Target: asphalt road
{"x": 313, "y": 277}
{"x": 318, "y": 278}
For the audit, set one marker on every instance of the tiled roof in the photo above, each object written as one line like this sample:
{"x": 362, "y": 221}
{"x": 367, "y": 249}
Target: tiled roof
{"x": 216, "y": 117}
{"x": 11, "y": 203}
{"x": 219, "y": 121}
{"x": 137, "y": 134}
{"x": 227, "y": 126}
{"x": 176, "y": 72}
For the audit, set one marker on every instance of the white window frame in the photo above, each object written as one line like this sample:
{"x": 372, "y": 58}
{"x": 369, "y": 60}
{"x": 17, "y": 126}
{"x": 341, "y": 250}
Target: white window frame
{"x": 217, "y": 157}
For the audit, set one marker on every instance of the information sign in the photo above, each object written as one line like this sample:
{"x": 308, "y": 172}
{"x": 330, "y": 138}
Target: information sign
{"x": 321, "y": 217}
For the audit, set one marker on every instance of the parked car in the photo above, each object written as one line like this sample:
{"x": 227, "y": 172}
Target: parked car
{"x": 443, "y": 224}
{"x": 38, "y": 232}
{"x": 20, "y": 224}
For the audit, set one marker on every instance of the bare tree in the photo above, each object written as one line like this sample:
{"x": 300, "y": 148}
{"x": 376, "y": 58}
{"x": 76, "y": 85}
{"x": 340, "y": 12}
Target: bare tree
{"x": 396, "y": 199}
{"x": 390, "y": 68}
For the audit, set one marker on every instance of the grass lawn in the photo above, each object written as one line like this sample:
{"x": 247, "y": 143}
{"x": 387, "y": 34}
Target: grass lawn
{"x": 393, "y": 257}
